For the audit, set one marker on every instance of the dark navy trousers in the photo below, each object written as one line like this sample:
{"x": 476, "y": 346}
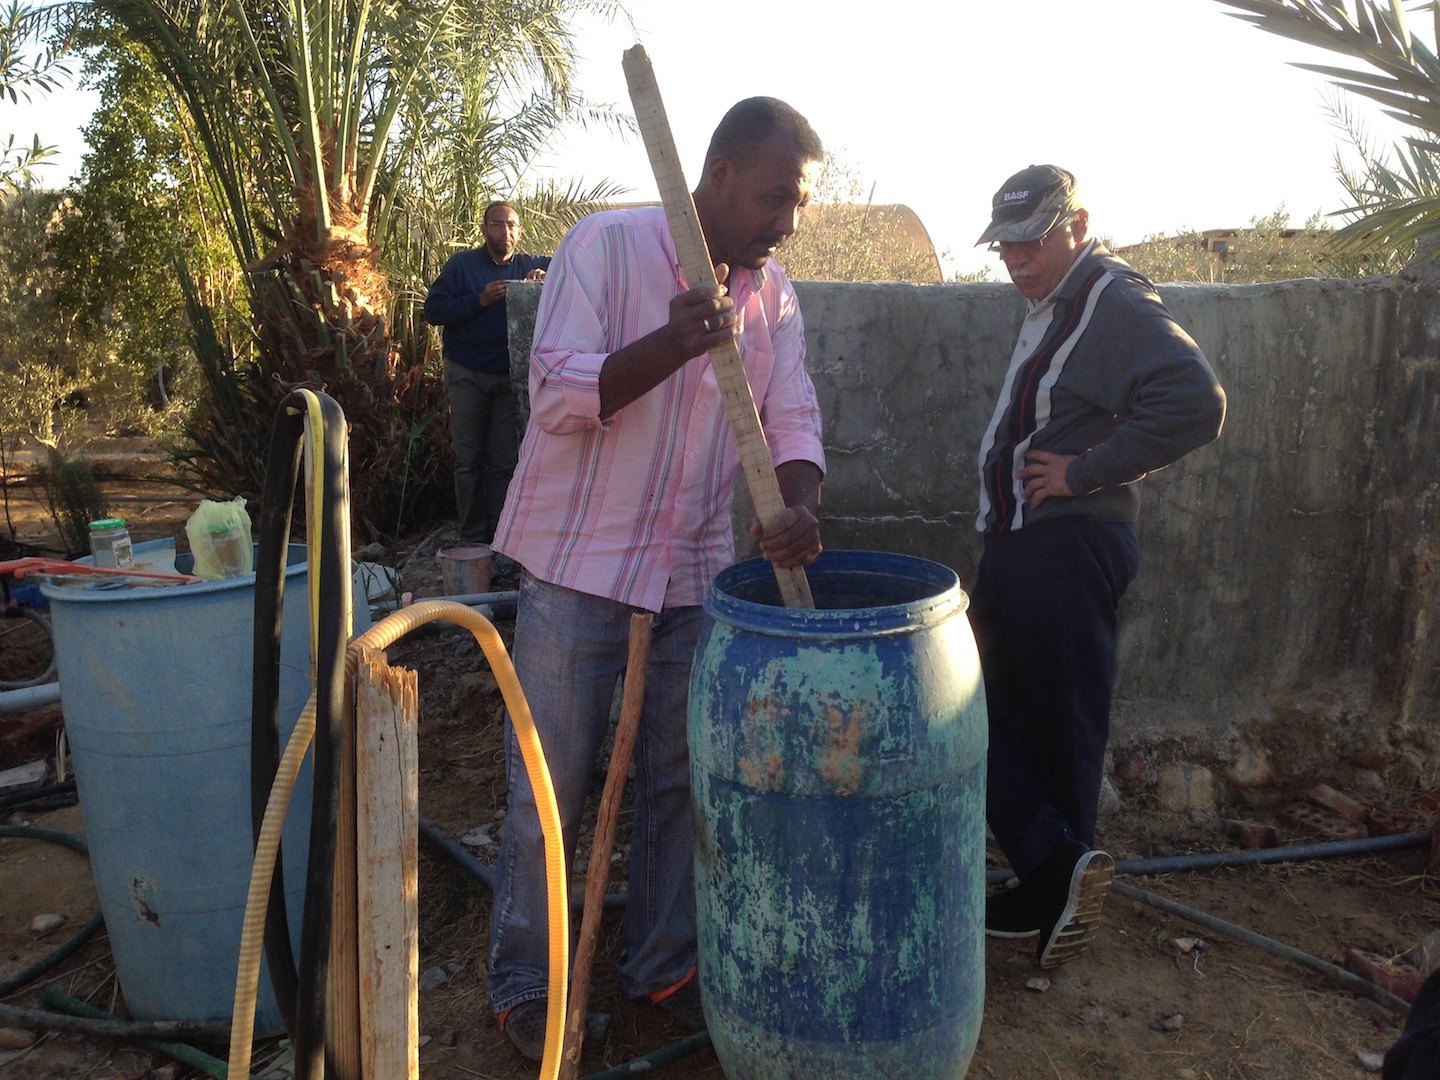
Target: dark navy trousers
{"x": 1044, "y": 611}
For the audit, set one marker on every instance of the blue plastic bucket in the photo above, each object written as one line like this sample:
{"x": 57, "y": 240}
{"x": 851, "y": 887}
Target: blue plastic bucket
{"x": 155, "y": 684}
{"x": 838, "y": 764}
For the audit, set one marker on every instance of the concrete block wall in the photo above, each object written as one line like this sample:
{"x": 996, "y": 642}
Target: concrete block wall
{"x": 1295, "y": 557}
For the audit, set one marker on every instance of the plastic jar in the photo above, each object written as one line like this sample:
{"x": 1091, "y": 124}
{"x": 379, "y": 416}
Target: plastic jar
{"x": 110, "y": 544}
{"x": 227, "y": 540}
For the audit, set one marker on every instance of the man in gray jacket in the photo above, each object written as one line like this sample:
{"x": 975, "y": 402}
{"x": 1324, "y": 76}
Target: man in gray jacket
{"x": 1103, "y": 387}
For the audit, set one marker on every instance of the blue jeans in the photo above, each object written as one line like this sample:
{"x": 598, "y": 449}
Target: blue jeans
{"x": 484, "y": 431}
{"x": 570, "y": 650}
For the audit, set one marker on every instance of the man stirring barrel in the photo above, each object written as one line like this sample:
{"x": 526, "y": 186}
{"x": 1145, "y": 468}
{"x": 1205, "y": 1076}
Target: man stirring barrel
{"x": 621, "y": 503}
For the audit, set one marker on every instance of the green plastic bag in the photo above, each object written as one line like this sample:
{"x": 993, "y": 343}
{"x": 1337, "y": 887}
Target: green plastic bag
{"x": 219, "y": 535}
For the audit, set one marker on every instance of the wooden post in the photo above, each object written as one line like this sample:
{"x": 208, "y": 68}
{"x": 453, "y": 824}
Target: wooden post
{"x": 342, "y": 1022}
{"x": 598, "y": 872}
{"x": 387, "y": 823}
{"x": 694, "y": 258}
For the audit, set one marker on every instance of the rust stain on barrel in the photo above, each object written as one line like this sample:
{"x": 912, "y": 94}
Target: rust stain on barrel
{"x": 838, "y": 760}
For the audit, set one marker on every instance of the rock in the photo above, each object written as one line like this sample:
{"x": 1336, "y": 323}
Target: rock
{"x": 424, "y": 1040}
{"x": 1187, "y": 944}
{"x": 44, "y": 924}
{"x": 1368, "y": 781}
{"x": 1110, "y": 801}
{"x": 1186, "y": 787}
{"x": 448, "y": 1037}
{"x": 478, "y": 837}
{"x": 433, "y": 978}
{"x": 1171, "y": 1023}
{"x": 1370, "y": 1061}
{"x": 15, "y": 1038}
{"x": 1187, "y": 1074}
{"x": 1249, "y": 768}
{"x": 1039, "y": 984}
{"x": 1426, "y": 955}
{"x": 1129, "y": 767}
{"x": 1095, "y": 1014}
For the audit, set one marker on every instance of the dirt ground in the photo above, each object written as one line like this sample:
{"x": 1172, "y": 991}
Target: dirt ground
{"x": 1136, "y": 1005}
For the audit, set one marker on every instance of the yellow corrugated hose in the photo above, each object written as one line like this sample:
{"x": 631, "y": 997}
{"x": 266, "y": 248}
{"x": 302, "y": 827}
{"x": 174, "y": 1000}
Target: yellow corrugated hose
{"x": 385, "y": 633}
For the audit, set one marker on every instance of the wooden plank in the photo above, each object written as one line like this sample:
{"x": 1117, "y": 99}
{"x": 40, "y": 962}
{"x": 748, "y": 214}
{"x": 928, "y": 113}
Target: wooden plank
{"x": 387, "y": 829}
{"x": 694, "y": 257}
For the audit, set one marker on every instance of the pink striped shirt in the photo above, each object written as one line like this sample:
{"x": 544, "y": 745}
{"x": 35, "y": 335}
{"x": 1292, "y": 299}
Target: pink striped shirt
{"x": 636, "y": 508}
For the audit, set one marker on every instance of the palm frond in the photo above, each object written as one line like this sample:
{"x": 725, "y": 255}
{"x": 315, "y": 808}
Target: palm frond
{"x": 1395, "y": 206}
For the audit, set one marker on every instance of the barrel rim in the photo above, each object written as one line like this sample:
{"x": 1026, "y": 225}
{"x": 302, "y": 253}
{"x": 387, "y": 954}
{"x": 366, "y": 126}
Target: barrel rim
{"x": 120, "y": 594}
{"x": 947, "y": 600}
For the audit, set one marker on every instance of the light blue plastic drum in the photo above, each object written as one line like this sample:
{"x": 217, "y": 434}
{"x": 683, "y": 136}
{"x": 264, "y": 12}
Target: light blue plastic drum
{"x": 838, "y": 763}
{"x": 155, "y": 684}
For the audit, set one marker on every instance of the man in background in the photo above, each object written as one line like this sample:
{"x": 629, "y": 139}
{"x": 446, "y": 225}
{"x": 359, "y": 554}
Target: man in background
{"x": 1103, "y": 387}
{"x": 468, "y": 300}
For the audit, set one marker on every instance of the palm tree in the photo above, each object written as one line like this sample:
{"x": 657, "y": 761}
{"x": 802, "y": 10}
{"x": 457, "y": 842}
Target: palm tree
{"x": 313, "y": 119}
{"x": 22, "y": 71}
{"x": 1394, "y": 207}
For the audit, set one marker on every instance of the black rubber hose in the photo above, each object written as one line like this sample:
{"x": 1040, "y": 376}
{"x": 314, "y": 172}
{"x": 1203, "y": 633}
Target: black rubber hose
{"x": 282, "y": 472}
{"x": 212, "y": 1066}
{"x": 114, "y": 1028}
{"x": 1345, "y": 978}
{"x": 330, "y": 743}
{"x": 55, "y": 959}
{"x": 23, "y": 798}
{"x": 1332, "y": 849}
{"x": 485, "y": 874}
{"x": 656, "y": 1058}
{"x": 305, "y": 982}
{"x": 34, "y": 616}
{"x": 69, "y": 948}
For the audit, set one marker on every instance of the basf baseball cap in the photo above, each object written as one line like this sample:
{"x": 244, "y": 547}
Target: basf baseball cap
{"x": 1030, "y": 204}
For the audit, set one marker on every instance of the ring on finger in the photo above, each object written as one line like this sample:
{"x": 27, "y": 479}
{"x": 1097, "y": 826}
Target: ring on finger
{"x": 708, "y": 326}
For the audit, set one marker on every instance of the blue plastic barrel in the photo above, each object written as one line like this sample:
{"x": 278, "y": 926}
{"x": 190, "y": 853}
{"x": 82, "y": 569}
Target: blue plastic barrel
{"x": 155, "y": 685}
{"x": 838, "y": 764}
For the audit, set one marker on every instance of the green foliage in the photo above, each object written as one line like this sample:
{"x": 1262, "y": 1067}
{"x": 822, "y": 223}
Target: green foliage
{"x": 843, "y": 237}
{"x": 45, "y": 365}
{"x": 330, "y": 136}
{"x": 75, "y": 499}
{"x": 1269, "y": 250}
{"x": 1393, "y": 207}
{"x": 131, "y": 215}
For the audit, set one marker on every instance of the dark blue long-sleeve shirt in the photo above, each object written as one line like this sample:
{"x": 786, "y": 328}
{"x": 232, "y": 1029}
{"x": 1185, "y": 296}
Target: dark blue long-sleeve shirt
{"x": 475, "y": 336}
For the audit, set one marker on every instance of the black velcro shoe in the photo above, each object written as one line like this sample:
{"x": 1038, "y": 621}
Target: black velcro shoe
{"x": 1012, "y": 913}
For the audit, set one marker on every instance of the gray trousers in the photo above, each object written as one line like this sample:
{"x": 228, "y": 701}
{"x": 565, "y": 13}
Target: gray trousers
{"x": 484, "y": 433}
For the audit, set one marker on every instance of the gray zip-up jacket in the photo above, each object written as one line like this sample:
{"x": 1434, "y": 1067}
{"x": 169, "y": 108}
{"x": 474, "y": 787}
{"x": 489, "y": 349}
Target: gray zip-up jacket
{"x": 1115, "y": 380}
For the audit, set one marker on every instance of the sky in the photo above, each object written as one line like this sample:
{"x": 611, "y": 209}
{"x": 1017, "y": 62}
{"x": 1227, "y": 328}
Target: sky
{"x": 1171, "y": 113}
